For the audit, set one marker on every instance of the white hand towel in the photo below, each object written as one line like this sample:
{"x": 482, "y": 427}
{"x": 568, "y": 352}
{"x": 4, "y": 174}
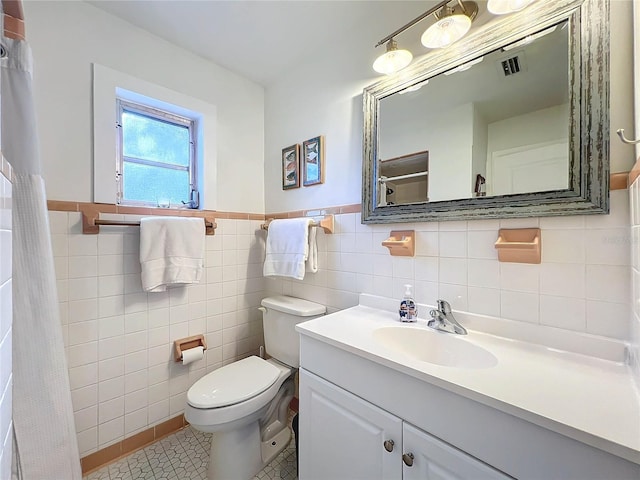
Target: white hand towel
{"x": 171, "y": 251}
{"x": 312, "y": 258}
{"x": 288, "y": 248}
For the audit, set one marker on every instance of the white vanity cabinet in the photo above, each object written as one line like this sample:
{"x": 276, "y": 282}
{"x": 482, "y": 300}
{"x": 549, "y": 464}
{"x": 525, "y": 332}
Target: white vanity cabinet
{"x": 354, "y": 396}
{"x": 434, "y": 459}
{"x": 345, "y": 437}
{"x": 342, "y": 436}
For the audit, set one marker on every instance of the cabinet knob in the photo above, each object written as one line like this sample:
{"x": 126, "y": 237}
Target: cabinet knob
{"x": 388, "y": 445}
{"x": 407, "y": 458}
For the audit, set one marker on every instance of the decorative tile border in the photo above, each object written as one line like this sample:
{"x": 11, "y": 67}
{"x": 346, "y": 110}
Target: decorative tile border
{"x": 619, "y": 181}
{"x": 96, "y": 460}
{"x": 96, "y": 208}
{"x": 14, "y": 26}
{"x": 635, "y": 172}
{"x": 317, "y": 212}
{"x": 67, "y": 206}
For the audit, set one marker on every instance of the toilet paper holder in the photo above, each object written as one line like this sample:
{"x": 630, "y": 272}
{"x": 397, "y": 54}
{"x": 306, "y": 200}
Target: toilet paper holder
{"x": 187, "y": 343}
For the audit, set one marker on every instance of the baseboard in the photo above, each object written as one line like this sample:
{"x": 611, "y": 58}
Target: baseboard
{"x": 109, "y": 454}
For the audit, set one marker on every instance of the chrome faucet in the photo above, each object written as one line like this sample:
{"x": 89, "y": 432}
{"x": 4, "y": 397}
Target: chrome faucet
{"x": 442, "y": 319}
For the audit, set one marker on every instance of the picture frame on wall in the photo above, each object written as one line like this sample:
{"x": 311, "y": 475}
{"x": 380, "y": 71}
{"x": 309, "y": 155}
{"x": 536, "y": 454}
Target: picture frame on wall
{"x": 313, "y": 161}
{"x": 291, "y": 167}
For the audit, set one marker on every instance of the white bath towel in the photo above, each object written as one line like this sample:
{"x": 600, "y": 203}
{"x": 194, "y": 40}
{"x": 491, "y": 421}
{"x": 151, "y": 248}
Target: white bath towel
{"x": 290, "y": 246}
{"x": 171, "y": 251}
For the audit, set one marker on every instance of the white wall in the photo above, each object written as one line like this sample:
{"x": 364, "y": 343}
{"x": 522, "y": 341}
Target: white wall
{"x": 448, "y": 137}
{"x": 585, "y": 265}
{"x": 450, "y": 152}
{"x": 323, "y": 96}
{"x": 67, "y": 37}
{"x": 119, "y": 339}
{"x": 541, "y": 126}
{"x": 6, "y": 320}
{"x": 479, "y": 157}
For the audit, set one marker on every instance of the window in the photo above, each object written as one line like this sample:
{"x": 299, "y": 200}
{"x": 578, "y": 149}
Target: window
{"x": 156, "y": 157}
{"x": 113, "y": 90}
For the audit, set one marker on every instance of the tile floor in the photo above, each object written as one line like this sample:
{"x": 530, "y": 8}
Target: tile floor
{"x": 182, "y": 455}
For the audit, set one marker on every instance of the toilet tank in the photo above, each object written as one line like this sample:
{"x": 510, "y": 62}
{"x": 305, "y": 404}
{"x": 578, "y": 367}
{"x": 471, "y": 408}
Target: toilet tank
{"x": 279, "y": 318}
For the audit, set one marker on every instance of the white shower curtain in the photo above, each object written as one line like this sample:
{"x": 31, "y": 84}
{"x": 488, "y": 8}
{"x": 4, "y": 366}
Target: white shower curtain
{"x": 45, "y": 440}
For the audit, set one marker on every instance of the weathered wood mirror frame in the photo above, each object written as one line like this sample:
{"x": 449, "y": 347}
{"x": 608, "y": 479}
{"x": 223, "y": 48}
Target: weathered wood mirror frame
{"x": 588, "y": 191}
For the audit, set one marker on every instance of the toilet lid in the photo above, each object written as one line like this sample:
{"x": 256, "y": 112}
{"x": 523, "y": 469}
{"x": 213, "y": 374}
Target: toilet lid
{"x": 233, "y": 383}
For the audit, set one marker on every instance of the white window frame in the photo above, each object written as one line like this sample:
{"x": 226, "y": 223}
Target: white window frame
{"x": 168, "y": 117}
{"x": 109, "y": 84}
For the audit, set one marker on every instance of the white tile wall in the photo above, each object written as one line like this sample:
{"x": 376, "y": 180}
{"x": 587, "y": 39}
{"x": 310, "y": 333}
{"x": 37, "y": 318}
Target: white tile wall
{"x": 6, "y": 320}
{"x": 119, "y": 339}
{"x": 585, "y": 269}
{"x": 634, "y": 201}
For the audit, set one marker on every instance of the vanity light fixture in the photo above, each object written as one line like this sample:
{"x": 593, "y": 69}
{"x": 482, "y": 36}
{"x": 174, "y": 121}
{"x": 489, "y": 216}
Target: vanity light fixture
{"x": 503, "y": 7}
{"x": 453, "y": 23}
{"x": 393, "y": 59}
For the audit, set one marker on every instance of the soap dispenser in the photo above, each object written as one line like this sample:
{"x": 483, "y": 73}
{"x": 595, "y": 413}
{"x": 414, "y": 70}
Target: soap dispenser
{"x": 408, "y": 310}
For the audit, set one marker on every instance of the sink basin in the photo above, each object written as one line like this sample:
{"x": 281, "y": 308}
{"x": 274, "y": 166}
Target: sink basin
{"x": 439, "y": 348}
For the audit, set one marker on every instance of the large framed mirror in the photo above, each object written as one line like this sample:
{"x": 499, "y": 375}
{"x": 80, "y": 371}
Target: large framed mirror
{"x": 512, "y": 121}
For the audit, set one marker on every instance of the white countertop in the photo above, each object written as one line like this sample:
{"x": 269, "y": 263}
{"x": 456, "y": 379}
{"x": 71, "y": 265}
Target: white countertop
{"x": 590, "y": 399}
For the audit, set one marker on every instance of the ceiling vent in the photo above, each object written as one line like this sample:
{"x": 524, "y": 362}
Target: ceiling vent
{"x": 514, "y": 63}
{"x": 510, "y": 66}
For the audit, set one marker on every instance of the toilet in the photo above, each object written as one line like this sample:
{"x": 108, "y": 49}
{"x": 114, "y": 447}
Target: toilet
{"x": 245, "y": 403}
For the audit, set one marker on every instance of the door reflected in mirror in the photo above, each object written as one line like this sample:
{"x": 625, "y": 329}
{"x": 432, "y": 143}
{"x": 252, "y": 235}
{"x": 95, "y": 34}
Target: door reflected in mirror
{"x": 496, "y": 125}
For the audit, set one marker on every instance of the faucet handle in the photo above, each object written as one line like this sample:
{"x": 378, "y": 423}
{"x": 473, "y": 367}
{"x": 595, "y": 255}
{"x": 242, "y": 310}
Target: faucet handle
{"x": 444, "y": 306}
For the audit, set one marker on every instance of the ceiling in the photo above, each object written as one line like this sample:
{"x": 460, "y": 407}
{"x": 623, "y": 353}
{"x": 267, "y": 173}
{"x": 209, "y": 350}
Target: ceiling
{"x": 261, "y": 40}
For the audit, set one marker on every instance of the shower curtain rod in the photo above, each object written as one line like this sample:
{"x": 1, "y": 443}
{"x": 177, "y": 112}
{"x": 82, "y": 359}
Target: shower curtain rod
{"x": 13, "y": 19}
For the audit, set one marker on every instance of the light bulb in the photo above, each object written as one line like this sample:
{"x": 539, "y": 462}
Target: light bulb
{"x": 392, "y": 60}
{"x": 446, "y": 31}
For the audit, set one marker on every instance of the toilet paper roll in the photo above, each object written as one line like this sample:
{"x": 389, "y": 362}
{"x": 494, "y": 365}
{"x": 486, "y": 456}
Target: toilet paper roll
{"x": 192, "y": 354}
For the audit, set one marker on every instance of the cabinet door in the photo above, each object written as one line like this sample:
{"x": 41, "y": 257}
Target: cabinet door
{"x": 435, "y": 460}
{"x": 342, "y": 436}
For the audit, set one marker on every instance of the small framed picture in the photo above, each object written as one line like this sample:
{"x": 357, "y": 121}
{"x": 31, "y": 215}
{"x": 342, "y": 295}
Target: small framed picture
{"x": 291, "y": 167}
{"x": 313, "y": 161}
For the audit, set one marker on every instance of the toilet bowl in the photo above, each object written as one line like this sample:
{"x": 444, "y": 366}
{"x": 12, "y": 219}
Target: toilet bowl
{"x": 245, "y": 403}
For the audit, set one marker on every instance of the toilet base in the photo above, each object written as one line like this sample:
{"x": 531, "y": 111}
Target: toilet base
{"x": 240, "y": 454}
{"x": 272, "y": 448}
{"x": 235, "y": 454}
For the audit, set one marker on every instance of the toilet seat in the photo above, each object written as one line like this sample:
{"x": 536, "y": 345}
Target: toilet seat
{"x": 233, "y": 383}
